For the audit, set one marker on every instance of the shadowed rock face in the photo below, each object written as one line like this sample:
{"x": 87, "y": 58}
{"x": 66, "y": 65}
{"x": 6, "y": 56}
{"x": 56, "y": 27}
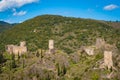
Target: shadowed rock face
{"x": 17, "y": 49}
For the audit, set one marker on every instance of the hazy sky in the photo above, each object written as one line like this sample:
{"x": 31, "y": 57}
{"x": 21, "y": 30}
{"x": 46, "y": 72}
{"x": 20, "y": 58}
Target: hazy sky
{"x": 15, "y": 11}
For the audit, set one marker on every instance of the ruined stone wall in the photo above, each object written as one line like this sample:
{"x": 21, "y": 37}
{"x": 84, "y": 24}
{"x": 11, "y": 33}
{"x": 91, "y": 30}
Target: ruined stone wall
{"x": 9, "y": 48}
{"x": 89, "y": 50}
{"x": 17, "y": 49}
{"x": 108, "y": 62}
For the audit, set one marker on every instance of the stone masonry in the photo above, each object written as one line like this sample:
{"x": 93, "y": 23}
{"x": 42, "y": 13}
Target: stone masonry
{"x": 17, "y": 49}
{"x": 108, "y": 62}
{"x": 51, "y": 46}
{"x": 89, "y": 50}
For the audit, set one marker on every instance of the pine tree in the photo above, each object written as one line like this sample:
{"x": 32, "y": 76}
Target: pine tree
{"x": 23, "y": 61}
{"x": 13, "y": 63}
{"x": 37, "y": 54}
{"x": 0, "y": 68}
{"x": 64, "y": 70}
{"x": 58, "y": 69}
{"x": 1, "y": 58}
{"x": 18, "y": 56}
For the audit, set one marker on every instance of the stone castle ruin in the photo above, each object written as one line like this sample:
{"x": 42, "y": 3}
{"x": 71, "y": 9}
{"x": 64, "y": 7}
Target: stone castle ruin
{"x": 17, "y": 49}
{"x": 51, "y": 46}
{"x": 108, "y": 51}
{"x": 89, "y": 50}
{"x": 108, "y": 61}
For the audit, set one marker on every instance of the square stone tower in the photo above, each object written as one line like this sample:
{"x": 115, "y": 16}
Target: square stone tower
{"x": 108, "y": 62}
{"x": 23, "y": 44}
{"x": 51, "y": 46}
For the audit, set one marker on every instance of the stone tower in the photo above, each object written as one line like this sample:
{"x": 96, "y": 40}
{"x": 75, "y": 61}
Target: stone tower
{"x": 51, "y": 46}
{"x": 23, "y": 43}
{"x": 108, "y": 62}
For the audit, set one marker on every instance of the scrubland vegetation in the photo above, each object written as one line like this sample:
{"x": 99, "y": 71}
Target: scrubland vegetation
{"x": 67, "y": 63}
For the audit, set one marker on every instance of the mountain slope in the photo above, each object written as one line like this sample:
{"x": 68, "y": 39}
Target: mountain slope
{"x": 4, "y": 26}
{"x": 69, "y": 33}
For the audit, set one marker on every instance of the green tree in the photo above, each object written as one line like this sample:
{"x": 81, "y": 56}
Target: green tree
{"x": 0, "y": 68}
{"x": 37, "y": 54}
{"x": 18, "y": 56}
{"x": 58, "y": 69}
{"x": 13, "y": 62}
{"x": 23, "y": 61}
{"x": 1, "y": 58}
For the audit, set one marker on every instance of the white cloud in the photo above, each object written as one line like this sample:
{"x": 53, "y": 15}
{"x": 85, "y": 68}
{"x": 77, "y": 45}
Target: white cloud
{"x": 20, "y": 13}
{"x": 110, "y": 7}
{"x": 8, "y": 4}
{"x": 8, "y": 21}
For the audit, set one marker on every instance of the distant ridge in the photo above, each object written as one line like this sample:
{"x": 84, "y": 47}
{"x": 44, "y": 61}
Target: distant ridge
{"x": 4, "y": 26}
{"x": 4, "y": 23}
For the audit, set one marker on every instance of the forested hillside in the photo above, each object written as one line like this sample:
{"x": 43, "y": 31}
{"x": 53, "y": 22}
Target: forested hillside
{"x": 69, "y": 60}
{"x": 69, "y": 33}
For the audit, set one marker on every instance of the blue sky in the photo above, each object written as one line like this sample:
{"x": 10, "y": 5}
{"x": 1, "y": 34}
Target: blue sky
{"x": 16, "y": 11}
